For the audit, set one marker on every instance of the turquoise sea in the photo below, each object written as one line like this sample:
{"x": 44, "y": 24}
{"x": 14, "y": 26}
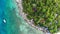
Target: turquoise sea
{"x": 15, "y": 24}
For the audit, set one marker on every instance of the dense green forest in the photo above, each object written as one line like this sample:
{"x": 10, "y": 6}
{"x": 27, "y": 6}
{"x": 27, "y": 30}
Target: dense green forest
{"x": 45, "y": 13}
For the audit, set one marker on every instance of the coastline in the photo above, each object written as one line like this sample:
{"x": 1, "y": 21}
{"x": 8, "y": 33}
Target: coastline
{"x": 30, "y": 22}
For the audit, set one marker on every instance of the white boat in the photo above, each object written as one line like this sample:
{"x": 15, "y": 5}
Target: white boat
{"x": 4, "y": 20}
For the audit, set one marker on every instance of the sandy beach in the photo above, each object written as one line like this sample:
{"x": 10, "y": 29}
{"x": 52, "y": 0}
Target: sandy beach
{"x": 30, "y": 22}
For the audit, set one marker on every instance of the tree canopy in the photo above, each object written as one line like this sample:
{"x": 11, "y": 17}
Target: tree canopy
{"x": 45, "y": 13}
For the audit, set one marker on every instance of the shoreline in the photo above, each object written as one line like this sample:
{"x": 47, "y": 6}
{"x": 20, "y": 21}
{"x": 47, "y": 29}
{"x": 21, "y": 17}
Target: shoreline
{"x": 30, "y": 22}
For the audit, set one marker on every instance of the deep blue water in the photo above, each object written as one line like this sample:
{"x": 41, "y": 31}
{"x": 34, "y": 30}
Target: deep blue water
{"x": 2, "y": 25}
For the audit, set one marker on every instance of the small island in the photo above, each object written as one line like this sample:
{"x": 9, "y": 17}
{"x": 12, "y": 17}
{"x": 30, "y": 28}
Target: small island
{"x": 44, "y": 14}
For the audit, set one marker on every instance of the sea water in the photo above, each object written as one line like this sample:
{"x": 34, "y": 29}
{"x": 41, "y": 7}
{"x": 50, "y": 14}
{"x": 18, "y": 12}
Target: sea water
{"x": 2, "y": 24}
{"x": 15, "y": 24}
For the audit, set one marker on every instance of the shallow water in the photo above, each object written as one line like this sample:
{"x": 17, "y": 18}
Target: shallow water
{"x": 15, "y": 24}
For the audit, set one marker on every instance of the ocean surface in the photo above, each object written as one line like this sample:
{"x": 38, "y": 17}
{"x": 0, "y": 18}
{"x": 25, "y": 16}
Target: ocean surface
{"x": 15, "y": 24}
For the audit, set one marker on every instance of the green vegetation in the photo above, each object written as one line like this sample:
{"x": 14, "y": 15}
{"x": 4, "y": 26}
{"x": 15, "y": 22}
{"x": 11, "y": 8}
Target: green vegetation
{"x": 43, "y": 12}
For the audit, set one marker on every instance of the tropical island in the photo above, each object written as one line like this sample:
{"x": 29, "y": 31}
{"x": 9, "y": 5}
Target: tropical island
{"x": 43, "y": 13}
